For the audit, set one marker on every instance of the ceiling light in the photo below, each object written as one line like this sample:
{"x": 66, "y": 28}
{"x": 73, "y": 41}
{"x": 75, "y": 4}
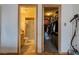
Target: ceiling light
{"x": 48, "y": 13}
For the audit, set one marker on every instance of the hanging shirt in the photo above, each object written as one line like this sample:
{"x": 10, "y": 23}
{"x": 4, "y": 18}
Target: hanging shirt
{"x": 46, "y": 36}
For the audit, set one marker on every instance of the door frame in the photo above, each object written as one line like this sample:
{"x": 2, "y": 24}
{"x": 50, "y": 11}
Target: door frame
{"x": 36, "y": 42}
{"x": 59, "y": 25}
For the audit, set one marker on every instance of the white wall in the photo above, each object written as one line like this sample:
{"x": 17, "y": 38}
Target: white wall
{"x": 76, "y": 40}
{"x": 67, "y": 13}
{"x": 0, "y": 27}
{"x": 9, "y": 28}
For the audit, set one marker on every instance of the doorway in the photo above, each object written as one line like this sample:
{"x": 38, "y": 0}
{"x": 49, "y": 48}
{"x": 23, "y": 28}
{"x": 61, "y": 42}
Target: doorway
{"x": 51, "y": 16}
{"x": 27, "y": 29}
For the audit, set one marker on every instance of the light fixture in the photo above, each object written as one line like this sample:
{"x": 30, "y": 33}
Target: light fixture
{"x": 48, "y": 13}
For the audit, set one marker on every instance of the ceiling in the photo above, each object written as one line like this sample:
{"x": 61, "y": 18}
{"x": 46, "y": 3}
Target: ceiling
{"x": 50, "y": 10}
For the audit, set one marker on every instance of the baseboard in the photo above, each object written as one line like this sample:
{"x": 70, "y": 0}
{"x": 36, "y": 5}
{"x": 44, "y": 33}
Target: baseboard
{"x": 63, "y": 53}
{"x": 9, "y": 54}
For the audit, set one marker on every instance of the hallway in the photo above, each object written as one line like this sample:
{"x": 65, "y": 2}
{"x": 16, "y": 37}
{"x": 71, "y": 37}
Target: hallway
{"x": 49, "y": 47}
